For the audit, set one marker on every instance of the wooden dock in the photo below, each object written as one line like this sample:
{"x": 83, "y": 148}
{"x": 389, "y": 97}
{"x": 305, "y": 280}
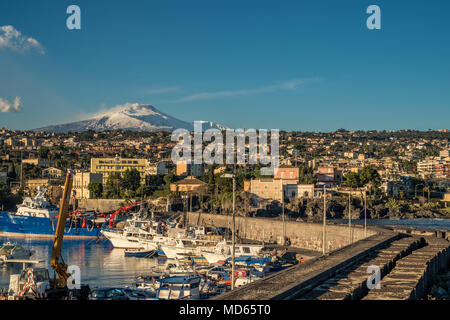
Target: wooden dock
{"x": 23, "y": 261}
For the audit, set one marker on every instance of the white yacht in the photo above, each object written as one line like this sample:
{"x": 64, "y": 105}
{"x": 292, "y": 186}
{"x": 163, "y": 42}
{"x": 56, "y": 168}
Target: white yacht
{"x": 37, "y": 206}
{"x": 187, "y": 247}
{"x": 223, "y": 250}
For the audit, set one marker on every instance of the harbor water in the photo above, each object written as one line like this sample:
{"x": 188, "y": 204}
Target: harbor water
{"x": 100, "y": 264}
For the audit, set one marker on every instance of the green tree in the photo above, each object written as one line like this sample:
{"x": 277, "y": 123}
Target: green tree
{"x": 168, "y": 179}
{"x": 352, "y": 179}
{"x": 307, "y": 175}
{"x": 96, "y": 189}
{"x": 43, "y": 152}
{"x": 131, "y": 179}
{"x": 113, "y": 186}
{"x": 369, "y": 175}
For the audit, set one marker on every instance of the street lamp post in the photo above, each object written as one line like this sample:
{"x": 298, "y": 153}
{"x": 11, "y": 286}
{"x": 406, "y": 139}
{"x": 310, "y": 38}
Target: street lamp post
{"x": 365, "y": 210}
{"x": 365, "y": 213}
{"x": 349, "y": 219}
{"x": 324, "y": 219}
{"x": 21, "y": 168}
{"x": 233, "y": 176}
{"x": 284, "y": 221}
{"x": 415, "y": 189}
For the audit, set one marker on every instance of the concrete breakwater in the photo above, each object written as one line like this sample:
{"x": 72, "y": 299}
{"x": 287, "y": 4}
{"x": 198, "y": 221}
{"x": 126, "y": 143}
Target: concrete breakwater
{"x": 301, "y": 234}
{"x": 409, "y": 265}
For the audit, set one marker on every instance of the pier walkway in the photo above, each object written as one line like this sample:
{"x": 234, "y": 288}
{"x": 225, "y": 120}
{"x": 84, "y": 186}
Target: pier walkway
{"x": 408, "y": 266}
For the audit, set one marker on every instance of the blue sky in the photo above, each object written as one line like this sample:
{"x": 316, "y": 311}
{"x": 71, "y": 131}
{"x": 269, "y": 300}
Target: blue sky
{"x": 292, "y": 65}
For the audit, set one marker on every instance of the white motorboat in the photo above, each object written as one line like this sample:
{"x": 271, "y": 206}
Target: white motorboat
{"x": 223, "y": 251}
{"x": 10, "y": 251}
{"x": 187, "y": 247}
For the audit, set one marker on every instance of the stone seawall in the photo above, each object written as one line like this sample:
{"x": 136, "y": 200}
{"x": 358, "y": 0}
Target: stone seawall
{"x": 301, "y": 234}
{"x": 102, "y": 205}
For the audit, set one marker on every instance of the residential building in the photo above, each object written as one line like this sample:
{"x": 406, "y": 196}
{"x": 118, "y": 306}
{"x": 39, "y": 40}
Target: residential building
{"x": 329, "y": 176}
{"x": 264, "y": 189}
{"x": 32, "y": 184}
{"x": 44, "y": 163}
{"x": 106, "y": 166}
{"x": 160, "y": 167}
{"x": 298, "y": 191}
{"x": 52, "y": 172}
{"x": 81, "y": 181}
{"x": 189, "y": 184}
{"x": 288, "y": 174}
{"x": 190, "y": 169}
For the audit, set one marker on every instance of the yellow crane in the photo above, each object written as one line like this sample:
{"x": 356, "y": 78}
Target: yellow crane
{"x": 57, "y": 262}
{"x": 35, "y": 282}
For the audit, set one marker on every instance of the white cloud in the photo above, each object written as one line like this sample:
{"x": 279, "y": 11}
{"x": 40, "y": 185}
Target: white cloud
{"x": 15, "y": 40}
{"x": 287, "y": 85}
{"x": 6, "y": 106}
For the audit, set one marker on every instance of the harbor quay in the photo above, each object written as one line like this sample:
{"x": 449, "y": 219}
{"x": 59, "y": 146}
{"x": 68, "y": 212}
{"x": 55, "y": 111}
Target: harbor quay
{"x": 299, "y": 234}
{"x": 409, "y": 261}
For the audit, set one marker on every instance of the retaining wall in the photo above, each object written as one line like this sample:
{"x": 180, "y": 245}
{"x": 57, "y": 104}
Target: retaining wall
{"x": 102, "y": 205}
{"x": 301, "y": 234}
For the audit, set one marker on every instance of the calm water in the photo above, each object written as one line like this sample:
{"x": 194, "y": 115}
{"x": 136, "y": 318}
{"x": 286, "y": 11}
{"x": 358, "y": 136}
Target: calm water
{"x": 100, "y": 264}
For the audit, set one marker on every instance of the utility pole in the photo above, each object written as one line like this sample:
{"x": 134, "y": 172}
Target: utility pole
{"x": 234, "y": 230}
{"x": 233, "y": 176}
{"x": 21, "y": 168}
{"x": 324, "y": 219}
{"x": 284, "y": 221}
{"x": 365, "y": 213}
{"x": 349, "y": 220}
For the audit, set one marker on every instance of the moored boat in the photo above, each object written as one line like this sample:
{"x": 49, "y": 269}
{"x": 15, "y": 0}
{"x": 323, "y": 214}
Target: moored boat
{"x": 37, "y": 218}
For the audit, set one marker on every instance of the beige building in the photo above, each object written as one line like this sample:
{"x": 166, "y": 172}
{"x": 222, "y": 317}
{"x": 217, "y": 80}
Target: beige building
{"x": 81, "y": 181}
{"x": 271, "y": 189}
{"x": 52, "y": 172}
{"x": 298, "y": 191}
{"x": 189, "y": 184}
{"x": 189, "y": 169}
{"x": 106, "y": 166}
{"x": 160, "y": 167}
{"x": 44, "y": 163}
{"x": 266, "y": 189}
{"x": 32, "y": 184}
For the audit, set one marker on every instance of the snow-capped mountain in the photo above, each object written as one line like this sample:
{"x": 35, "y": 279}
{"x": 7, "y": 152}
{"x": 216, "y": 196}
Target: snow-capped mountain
{"x": 131, "y": 116}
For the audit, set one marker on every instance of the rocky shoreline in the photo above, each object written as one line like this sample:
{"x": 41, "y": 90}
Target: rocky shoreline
{"x": 311, "y": 210}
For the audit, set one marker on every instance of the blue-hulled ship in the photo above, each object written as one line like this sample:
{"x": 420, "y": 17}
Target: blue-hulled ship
{"x": 37, "y": 218}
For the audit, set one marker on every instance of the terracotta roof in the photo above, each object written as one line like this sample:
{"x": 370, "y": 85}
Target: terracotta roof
{"x": 190, "y": 180}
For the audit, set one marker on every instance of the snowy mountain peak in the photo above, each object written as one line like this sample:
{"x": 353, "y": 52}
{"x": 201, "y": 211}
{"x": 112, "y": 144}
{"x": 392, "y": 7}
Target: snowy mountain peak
{"x": 130, "y": 116}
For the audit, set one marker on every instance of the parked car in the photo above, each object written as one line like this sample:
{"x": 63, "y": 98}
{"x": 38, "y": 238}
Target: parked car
{"x": 108, "y": 294}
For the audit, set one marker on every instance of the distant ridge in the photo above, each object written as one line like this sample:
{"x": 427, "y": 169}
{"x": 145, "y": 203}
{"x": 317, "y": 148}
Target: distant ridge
{"x": 131, "y": 116}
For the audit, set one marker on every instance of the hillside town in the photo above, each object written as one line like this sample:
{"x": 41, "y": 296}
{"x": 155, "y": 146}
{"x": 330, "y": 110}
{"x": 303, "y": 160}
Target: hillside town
{"x": 395, "y": 174}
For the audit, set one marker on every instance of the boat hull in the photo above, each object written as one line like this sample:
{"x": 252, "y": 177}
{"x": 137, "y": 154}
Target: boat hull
{"x": 12, "y": 225}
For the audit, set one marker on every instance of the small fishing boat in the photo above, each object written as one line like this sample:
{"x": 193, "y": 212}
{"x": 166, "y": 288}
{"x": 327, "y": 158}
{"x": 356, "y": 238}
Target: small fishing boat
{"x": 223, "y": 251}
{"x": 179, "y": 288}
{"x": 9, "y": 251}
{"x": 139, "y": 253}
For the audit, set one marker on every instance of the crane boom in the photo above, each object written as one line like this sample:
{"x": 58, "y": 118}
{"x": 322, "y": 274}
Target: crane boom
{"x": 57, "y": 263}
